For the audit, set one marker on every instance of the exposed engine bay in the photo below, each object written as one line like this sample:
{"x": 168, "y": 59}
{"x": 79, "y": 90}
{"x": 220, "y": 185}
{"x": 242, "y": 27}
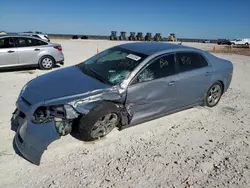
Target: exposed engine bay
{"x": 62, "y": 116}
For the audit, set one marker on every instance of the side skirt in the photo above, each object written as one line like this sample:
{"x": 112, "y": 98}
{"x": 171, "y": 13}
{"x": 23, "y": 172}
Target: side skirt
{"x": 158, "y": 116}
{"x": 18, "y": 67}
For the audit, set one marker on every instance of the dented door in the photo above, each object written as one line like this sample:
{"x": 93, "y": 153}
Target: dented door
{"x": 153, "y": 92}
{"x": 145, "y": 100}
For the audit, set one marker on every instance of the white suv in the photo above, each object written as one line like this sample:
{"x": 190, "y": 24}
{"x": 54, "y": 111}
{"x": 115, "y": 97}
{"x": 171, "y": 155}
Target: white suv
{"x": 241, "y": 41}
{"x": 39, "y": 35}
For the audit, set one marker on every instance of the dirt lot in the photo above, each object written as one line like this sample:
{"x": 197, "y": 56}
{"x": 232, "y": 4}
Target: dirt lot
{"x": 200, "y": 147}
{"x": 243, "y": 50}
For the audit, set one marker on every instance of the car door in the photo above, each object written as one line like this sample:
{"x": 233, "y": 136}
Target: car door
{"x": 153, "y": 90}
{"x": 195, "y": 74}
{"x": 239, "y": 41}
{"x": 27, "y": 51}
{"x": 8, "y": 52}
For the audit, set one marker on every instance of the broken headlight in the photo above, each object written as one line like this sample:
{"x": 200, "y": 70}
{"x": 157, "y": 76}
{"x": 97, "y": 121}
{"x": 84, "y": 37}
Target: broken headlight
{"x": 62, "y": 116}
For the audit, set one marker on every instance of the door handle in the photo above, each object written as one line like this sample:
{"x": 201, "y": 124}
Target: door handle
{"x": 11, "y": 51}
{"x": 207, "y": 73}
{"x": 172, "y": 83}
{"x": 37, "y": 49}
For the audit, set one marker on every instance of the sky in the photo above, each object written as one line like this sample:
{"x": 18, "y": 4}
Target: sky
{"x": 211, "y": 19}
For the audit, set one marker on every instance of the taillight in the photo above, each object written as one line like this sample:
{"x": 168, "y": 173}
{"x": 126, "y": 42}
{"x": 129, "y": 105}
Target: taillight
{"x": 59, "y": 48}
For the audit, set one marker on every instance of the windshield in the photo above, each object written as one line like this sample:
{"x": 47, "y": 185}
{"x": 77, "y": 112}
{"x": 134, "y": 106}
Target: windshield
{"x": 113, "y": 65}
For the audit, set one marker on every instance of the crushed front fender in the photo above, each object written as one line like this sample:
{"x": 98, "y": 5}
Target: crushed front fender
{"x": 32, "y": 140}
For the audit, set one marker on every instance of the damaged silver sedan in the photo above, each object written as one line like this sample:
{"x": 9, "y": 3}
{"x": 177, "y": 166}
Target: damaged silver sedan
{"x": 120, "y": 87}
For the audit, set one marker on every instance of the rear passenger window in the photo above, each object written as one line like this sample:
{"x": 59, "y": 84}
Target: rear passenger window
{"x": 190, "y": 61}
{"x": 203, "y": 61}
{"x": 26, "y": 42}
{"x": 40, "y": 43}
{"x": 30, "y": 42}
{"x": 159, "y": 68}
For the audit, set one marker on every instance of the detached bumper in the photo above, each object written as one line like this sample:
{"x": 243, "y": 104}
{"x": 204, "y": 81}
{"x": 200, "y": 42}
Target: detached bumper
{"x": 32, "y": 139}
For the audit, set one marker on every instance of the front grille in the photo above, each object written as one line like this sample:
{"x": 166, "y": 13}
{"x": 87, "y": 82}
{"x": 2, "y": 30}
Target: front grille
{"x": 26, "y": 102}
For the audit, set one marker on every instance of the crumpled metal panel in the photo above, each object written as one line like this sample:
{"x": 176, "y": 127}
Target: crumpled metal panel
{"x": 87, "y": 102}
{"x": 32, "y": 140}
{"x": 148, "y": 99}
{"x": 114, "y": 94}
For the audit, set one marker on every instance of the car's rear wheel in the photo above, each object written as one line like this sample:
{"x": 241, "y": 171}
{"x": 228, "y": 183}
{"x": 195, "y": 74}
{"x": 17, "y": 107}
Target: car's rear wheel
{"x": 99, "y": 122}
{"x": 214, "y": 94}
{"x": 46, "y": 63}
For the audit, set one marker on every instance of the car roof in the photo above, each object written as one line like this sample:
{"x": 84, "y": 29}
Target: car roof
{"x": 151, "y": 48}
{"x": 23, "y": 36}
{"x": 41, "y": 34}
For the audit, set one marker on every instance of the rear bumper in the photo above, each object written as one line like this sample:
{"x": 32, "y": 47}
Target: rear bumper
{"x": 60, "y": 62}
{"x": 32, "y": 139}
{"x": 59, "y": 58}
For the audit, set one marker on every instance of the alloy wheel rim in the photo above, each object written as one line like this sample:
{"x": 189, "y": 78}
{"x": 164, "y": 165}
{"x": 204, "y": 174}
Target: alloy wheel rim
{"x": 214, "y": 95}
{"x": 104, "y": 125}
{"x": 47, "y": 63}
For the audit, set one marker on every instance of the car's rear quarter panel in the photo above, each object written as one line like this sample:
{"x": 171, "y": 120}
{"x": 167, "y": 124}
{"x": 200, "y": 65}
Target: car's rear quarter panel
{"x": 222, "y": 70}
{"x": 51, "y": 51}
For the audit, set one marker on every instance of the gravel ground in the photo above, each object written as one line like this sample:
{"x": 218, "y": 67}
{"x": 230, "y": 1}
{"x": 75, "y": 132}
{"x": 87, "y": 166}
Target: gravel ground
{"x": 200, "y": 147}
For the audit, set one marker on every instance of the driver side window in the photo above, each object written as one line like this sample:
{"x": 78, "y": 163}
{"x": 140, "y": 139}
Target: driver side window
{"x": 161, "y": 67}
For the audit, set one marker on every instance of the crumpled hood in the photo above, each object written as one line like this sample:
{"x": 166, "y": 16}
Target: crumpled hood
{"x": 60, "y": 83}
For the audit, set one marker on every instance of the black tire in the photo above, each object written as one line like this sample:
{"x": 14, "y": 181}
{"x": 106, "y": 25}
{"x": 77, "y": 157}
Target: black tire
{"x": 208, "y": 95}
{"x": 50, "y": 63}
{"x": 233, "y": 43}
{"x": 87, "y": 122}
{"x": 247, "y": 44}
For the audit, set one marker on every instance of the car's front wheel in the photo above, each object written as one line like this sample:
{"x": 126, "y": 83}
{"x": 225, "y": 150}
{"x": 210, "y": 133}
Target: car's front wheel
{"x": 99, "y": 122}
{"x": 46, "y": 63}
{"x": 213, "y": 94}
